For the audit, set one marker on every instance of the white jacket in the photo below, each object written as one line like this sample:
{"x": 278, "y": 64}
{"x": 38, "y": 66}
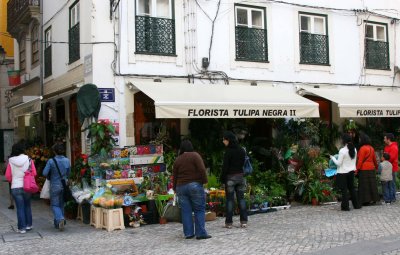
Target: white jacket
{"x": 19, "y": 164}
{"x": 344, "y": 163}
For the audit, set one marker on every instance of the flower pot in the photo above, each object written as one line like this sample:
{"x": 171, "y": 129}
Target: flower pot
{"x": 314, "y": 201}
{"x": 163, "y": 220}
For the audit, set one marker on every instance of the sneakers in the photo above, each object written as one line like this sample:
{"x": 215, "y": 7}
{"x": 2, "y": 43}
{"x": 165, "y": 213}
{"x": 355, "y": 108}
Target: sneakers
{"x": 61, "y": 225}
{"x": 21, "y": 231}
{"x": 228, "y": 225}
{"x": 28, "y": 228}
{"x": 243, "y": 225}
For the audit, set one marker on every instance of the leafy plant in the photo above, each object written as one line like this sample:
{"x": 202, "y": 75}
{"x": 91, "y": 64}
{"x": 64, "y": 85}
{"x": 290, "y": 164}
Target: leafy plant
{"x": 160, "y": 204}
{"x": 213, "y": 181}
{"x": 101, "y": 134}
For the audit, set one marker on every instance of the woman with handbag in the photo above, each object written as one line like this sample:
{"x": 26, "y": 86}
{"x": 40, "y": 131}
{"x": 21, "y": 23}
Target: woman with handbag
{"x": 366, "y": 170}
{"x": 58, "y": 168}
{"x": 18, "y": 164}
{"x": 189, "y": 176}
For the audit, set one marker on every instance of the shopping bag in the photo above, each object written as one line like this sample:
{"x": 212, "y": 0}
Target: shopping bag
{"x": 172, "y": 212}
{"x": 30, "y": 185}
{"x": 247, "y": 167}
{"x": 45, "y": 193}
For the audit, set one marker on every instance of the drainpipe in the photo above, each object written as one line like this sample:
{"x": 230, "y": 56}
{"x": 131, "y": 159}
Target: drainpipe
{"x": 41, "y": 56}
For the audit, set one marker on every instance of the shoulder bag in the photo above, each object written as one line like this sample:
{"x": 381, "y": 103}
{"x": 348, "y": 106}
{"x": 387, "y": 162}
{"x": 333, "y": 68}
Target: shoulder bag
{"x": 66, "y": 190}
{"x": 247, "y": 167}
{"x": 30, "y": 185}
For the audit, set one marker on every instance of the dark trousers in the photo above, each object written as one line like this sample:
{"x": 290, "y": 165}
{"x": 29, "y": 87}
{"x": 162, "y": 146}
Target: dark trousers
{"x": 345, "y": 183}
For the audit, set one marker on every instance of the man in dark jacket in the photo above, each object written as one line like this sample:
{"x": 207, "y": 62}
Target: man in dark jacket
{"x": 232, "y": 177}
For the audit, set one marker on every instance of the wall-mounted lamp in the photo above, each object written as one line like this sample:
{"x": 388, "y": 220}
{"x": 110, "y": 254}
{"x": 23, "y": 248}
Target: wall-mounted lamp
{"x": 2, "y": 55}
{"x": 129, "y": 85}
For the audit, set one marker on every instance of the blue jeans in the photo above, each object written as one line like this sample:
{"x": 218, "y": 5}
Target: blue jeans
{"x": 385, "y": 191}
{"x": 57, "y": 203}
{"x": 191, "y": 198}
{"x": 392, "y": 188}
{"x": 23, "y": 204}
{"x": 235, "y": 184}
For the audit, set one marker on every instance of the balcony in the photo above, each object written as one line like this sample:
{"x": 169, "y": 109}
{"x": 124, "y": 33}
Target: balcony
{"x": 377, "y": 55}
{"x": 155, "y": 36}
{"x": 20, "y": 13}
{"x": 314, "y": 49}
{"x": 251, "y": 44}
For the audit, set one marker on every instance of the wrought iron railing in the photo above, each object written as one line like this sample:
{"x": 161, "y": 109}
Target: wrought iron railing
{"x": 47, "y": 62}
{"x": 155, "y": 35}
{"x": 314, "y": 49}
{"x": 377, "y": 55}
{"x": 251, "y": 44}
{"x": 16, "y": 8}
{"x": 73, "y": 43}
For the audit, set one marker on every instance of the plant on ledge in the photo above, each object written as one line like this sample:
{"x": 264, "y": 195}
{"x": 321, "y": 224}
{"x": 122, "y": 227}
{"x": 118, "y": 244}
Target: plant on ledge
{"x": 101, "y": 134}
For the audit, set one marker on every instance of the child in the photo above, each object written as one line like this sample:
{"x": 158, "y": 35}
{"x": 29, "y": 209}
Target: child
{"x": 385, "y": 169}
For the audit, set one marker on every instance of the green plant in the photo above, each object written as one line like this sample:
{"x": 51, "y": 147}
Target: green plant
{"x": 169, "y": 159}
{"x": 314, "y": 190}
{"x": 213, "y": 181}
{"x": 101, "y": 134}
{"x": 160, "y": 204}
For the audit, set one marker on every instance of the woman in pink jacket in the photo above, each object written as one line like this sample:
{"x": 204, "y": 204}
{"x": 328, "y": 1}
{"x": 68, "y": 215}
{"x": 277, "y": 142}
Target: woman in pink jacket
{"x": 18, "y": 164}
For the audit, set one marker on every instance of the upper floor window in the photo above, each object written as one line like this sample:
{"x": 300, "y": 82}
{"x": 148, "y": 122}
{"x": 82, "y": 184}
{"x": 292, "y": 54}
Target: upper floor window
{"x": 47, "y": 53}
{"x": 251, "y": 33}
{"x": 73, "y": 33}
{"x": 155, "y": 27}
{"x": 22, "y": 54}
{"x": 376, "y": 46}
{"x": 314, "y": 45}
{"x": 35, "y": 44}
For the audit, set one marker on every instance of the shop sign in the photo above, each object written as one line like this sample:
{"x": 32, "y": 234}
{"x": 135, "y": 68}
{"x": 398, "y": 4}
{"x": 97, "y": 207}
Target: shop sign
{"x": 107, "y": 94}
{"x": 369, "y": 113}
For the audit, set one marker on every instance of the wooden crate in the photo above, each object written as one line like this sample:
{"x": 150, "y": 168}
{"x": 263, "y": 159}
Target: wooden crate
{"x": 95, "y": 217}
{"x": 112, "y": 219}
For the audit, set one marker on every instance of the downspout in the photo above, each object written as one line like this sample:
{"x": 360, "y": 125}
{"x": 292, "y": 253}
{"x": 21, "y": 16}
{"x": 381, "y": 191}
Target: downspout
{"x": 43, "y": 134}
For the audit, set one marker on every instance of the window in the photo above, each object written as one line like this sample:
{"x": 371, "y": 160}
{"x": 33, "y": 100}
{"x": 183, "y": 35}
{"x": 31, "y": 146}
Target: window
{"x": 376, "y": 46}
{"x": 73, "y": 33}
{"x": 314, "y": 45}
{"x": 47, "y": 53}
{"x": 22, "y": 52}
{"x": 155, "y": 27}
{"x": 251, "y": 34}
{"x": 35, "y": 44}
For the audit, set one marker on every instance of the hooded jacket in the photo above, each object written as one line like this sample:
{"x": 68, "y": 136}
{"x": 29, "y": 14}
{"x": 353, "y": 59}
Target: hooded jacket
{"x": 16, "y": 168}
{"x": 393, "y": 151}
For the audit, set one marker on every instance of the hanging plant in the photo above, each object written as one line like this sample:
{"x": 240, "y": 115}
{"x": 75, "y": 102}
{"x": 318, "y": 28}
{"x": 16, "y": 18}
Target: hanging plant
{"x": 101, "y": 134}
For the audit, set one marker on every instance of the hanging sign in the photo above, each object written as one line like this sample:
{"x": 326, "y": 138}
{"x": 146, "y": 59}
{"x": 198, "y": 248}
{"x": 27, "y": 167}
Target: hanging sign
{"x": 107, "y": 94}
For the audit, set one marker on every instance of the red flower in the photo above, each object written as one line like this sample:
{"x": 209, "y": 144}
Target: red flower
{"x": 326, "y": 192}
{"x": 83, "y": 171}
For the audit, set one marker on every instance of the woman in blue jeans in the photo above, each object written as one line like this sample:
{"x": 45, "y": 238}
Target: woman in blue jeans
{"x": 18, "y": 164}
{"x": 233, "y": 178}
{"x": 189, "y": 176}
{"x": 56, "y": 188}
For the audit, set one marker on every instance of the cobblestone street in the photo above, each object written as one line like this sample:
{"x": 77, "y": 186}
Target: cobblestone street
{"x": 298, "y": 230}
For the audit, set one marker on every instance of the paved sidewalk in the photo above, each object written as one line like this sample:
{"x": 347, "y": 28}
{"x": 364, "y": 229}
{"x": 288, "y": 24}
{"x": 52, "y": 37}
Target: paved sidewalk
{"x": 298, "y": 230}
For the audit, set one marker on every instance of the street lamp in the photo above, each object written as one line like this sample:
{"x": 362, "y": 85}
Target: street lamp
{"x": 2, "y": 55}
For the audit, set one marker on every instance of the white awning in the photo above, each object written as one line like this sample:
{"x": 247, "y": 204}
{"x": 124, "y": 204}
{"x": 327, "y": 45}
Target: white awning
{"x": 361, "y": 101}
{"x": 27, "y": 108}
{"x": 225, "y": 101}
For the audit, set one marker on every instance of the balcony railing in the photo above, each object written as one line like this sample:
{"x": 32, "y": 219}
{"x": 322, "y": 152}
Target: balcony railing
{"x": 155, "y": 35}
{"x": 377, "y": 55}
{"x": 73, "y": 43}
{"x": 47, "y": 62}
{"x": 251, "y": 44}
{"x": 314, "y": 49}
{"x": 20, "y": 11}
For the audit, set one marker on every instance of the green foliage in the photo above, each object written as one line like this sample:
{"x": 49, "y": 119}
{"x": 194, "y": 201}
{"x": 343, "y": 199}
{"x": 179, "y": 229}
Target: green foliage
{"x": 213, "y": 181}
{"x": 160, "y": 204}
{"x": 169, "y": 159}
{"x": 321, "y": 191}
{"x": 101, "y": 136}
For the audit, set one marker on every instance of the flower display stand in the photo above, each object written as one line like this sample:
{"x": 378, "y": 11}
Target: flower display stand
{"x": 112, "y": 219}
{"x": 95, "y": 217}
{"x": 79, "y": 215}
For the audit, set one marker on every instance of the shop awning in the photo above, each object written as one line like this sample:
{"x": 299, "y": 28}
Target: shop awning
{"x": 225, "y": 101}
{"x": 26, "y": 108}
{"x": 361, "y": 102}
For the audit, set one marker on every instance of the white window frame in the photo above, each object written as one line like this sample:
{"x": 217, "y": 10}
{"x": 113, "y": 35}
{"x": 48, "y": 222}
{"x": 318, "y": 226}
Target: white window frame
{"x": 153, "y": 9}
{"x": 74, "y": 14}
{"x": 249, "y": 16}
{"x": 312, "y": 27}
{"x": 375, "y": 34}
{"x": 47, "y": 38}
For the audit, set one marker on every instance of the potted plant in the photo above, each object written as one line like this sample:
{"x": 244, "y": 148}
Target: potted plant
{"x": 314, "y": 192}
{"x": 101, "y": 134}
{"x": 160, "y": 204}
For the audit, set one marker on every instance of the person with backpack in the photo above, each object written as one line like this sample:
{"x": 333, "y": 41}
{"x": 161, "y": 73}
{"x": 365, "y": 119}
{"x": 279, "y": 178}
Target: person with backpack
{"x": 18, "y": 164}
{"x": 57, "y": 168}
{"x": 233, "y": 177}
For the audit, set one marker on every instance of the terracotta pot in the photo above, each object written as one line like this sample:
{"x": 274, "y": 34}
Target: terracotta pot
{"x": 163, "y": 220}
{"x": 314, "y": 201}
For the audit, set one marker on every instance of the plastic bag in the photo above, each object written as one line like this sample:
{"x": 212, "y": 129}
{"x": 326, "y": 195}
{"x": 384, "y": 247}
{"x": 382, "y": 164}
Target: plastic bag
{"x": 45, "y": 193}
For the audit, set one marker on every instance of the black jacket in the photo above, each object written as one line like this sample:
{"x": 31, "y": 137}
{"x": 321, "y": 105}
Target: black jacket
{"x": 233, "y": 161}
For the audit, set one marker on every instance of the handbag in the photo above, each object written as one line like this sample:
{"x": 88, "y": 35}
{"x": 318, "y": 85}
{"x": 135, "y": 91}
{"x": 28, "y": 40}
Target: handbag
{"x": 66, "y": 190}
{"x": 45, "y": 193}
{"x": 30, "y": 185}
{"x": 247, "y": 167}
{"x": 172, "y": 212}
